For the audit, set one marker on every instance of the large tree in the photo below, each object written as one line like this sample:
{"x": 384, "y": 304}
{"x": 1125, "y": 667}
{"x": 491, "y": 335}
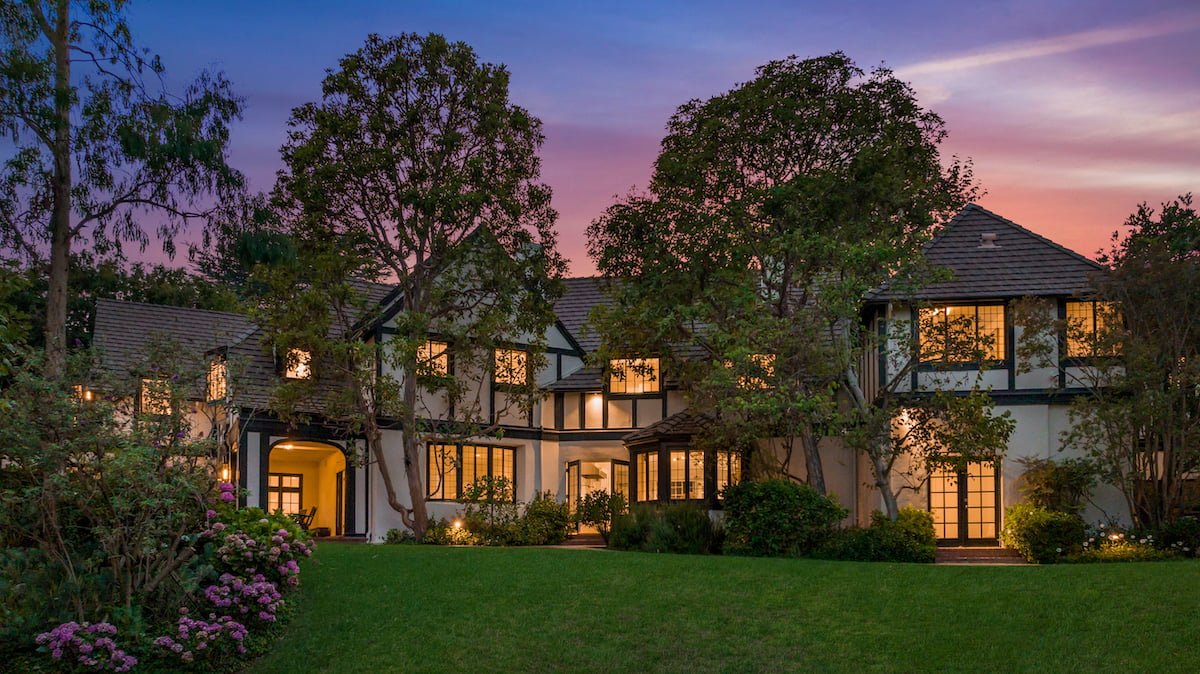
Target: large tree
{"x": 95, "y": 144}
{"x": 1139, "y": 420}
{"x": 772, "y": 209}
{"x": 416, "y": 166}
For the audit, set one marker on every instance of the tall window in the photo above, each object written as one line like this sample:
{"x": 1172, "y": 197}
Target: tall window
{"x": 687, "y": 475}
{"x": 960, "y": 333}
{"x": 511, "y": 366}
{"x": 729, "y": 469}
{"x": 634, "y": 375}
{"x": 216, "y": 378}
{"x": 1088, "y": 324}
{"x": 299, "y": 364}
{"x": 647, "y": 477}
{"x": 155, "y": 396}
{"x": 433, "y": 358}
{"x": 285, "y": 491}
{"x": 453, "y": 468}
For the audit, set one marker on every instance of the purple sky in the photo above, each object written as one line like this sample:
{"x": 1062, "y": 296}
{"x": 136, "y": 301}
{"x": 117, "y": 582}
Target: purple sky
{"x": 1073, "y": 111}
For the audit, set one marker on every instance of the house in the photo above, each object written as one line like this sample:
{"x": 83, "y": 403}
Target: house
{"x": 624, "y": 427}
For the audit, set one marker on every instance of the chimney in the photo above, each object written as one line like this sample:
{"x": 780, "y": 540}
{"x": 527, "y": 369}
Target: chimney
{"x": 988, "y": 240}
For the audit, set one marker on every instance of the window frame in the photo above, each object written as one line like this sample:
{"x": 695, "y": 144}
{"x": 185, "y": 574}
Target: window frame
{"x": 508, "y": 369}
{"x": 926, "y": 364}
{"x": 217, "y": 363}
{"x": 158, "y": 402}
{"x": 629, "y": 369}
{"x": 1089, "y": 336}
{"x": 297, "y": 365}
{"x": 432, "y": 364}
{"x": 454, "y": 466}
{"x": 279, "y": 490}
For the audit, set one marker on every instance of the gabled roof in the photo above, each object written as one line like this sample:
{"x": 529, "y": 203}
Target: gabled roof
{"x": 576, "y": 304}
{"x": 1020, "y": 264}
{"x": 123, "y": 330}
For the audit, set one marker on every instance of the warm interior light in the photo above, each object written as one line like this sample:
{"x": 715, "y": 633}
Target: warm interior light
{"x": 87, "y": 395}
{"x": 225, "y": 474}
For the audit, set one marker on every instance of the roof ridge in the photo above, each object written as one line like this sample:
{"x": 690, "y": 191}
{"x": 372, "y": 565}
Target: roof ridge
{"x": 172, "y": 306}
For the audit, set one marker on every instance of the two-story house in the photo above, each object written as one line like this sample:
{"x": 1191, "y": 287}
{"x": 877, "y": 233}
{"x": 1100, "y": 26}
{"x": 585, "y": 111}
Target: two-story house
{"x": 621, "y": 425}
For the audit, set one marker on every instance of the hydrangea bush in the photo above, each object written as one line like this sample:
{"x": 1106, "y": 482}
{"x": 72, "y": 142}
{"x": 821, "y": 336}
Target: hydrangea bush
{"x": 86, "y": 647}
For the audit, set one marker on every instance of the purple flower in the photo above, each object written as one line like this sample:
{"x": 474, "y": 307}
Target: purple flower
{"x": 228, "y": 497}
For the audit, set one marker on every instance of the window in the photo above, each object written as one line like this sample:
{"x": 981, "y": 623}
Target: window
{"x": 962, "y": 333}
{"x": 299, "y": 364}
{"x": 647, "y": 477}
{"x": 155, "y": 396}
{"x": 1088, "y": 325}
{"x": 633, "y": 376}
{"x": 433, "y": 359}
{"x": 510, "y": 366}
{"x": 687, "y": 475}
{"x": 759, "y": 370}
{"x": 285, "y": 491}
{"x": 729, "y": 469}
{"x": 452, "y": 468}
{"x": 216, "y": 378}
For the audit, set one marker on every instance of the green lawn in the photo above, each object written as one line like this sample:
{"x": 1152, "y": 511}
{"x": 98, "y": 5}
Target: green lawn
{"x": 371, "y": 608}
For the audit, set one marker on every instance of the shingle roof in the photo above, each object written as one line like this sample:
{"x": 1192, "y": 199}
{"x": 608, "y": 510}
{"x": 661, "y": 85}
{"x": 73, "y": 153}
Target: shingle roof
{"x": 576, "y": 304}
{"x": 585, "y": 379}
{"x": 1021, "y": 263}
{"x": 686, "y": 423}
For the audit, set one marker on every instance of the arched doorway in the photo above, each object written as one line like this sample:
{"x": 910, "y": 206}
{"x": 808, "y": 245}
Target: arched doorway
{"x": 308, "y": 474}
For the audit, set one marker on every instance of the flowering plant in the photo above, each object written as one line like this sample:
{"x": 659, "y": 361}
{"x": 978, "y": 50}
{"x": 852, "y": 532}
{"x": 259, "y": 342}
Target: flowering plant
{"x": 257, "y": 599}
{"x": 203, "y": 640}
{"x": 89, "y": 647}
{"x": 250, "y": 542}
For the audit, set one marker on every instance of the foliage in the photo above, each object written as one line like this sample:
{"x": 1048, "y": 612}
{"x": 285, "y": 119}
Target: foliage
{"x": 99, "y": 500}
{"x": 250, "y": 542}
{"x": 680, "y": 528}
{"x": 416, "y": 167}
{"x": 86, "y": 647}
{"x": 200, "y": 643}
{"x": 1115, "y": 544}
{"x": 774, "y": 518}
{"x": 1060, "y": 486}
{"x": 491, "y": 509}
{"x": 1180, "y": 535}
{"x": 909, "y": 538}
{"x": 443, "y": 532}
{"x": 545, "y": 522}
{"x": 598, "y": 509}
{"x": 93, "y": 145}
{"x": 773, "y": 208}
{"x": 1042, "y": 536}
{"x": 399, "y": 537}
{"x": 1140, "y": 420}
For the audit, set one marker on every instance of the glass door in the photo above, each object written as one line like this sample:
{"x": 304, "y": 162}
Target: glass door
{"x": 965, "y": 504}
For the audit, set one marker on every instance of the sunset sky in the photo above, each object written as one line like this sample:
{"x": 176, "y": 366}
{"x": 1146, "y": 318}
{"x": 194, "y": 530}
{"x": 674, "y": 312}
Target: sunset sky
{"x": 1073, "y": 112}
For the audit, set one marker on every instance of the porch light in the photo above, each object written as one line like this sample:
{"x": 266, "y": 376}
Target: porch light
{"x": 457, "y": 524}
{"x": 224, "y": 473}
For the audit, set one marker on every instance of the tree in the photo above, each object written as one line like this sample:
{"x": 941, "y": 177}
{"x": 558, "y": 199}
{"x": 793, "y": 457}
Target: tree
{"x": 93, "y": 146}
{"x": 245, "y": 232}
{"x": 416, "y": 165}
{"x": 772, "y": 209}
{"x": 1139, "y": 420}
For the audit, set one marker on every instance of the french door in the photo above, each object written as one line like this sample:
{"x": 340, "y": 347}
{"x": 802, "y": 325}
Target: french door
{"x": 965, "y": 504}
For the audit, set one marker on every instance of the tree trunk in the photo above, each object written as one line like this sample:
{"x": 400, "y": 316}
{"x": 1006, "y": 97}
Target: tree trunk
{"x": 812, "y": 460}
{"x": 412, "y": 460}
{"x": 60, "y": 215}
{"x": 883, "y": 482}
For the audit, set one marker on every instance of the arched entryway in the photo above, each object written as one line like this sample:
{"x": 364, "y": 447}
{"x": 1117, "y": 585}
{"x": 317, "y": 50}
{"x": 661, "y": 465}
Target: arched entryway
{"x": 308, "y": 474}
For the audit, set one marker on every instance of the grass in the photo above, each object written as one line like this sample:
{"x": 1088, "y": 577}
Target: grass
{"x": 371, "y": 608}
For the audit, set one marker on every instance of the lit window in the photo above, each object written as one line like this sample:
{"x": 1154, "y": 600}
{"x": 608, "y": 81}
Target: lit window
{"x": 729, "y": 469}
{"x": 156, "y": 396}
{"x": 82, "y": 394}
{"x": 1088, "y": 329}
{"x": 760, "y": 369}
{"x": 216, "y": 379}
{"x": 687, "y": 475}
{"x": 646, "y": 488}
{"x": 433, "y": 359}
{"x": 511, "y": 366}
{"x": 633, "y": 375}
{"x": 299, "y": 364}
{"x": 451, "y": 469}
{"x": 962, "y": 333}
{"x": 285, "y": 491}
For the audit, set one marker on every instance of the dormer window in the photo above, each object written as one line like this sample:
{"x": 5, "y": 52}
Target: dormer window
{"x": 217, "y": 384}
{"x": 511, "y": 366}
{"x": 949, "y": 333}
{"x": 631, "y": 376}
{"x": 299, "y": 364}
{"x": 433, "y": 358}
{"x": 155, "y": 396}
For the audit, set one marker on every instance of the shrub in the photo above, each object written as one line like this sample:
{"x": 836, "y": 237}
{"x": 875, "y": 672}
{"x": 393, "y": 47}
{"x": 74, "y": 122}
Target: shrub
{"x": 545, "y": 522}
{"x": 85, "y": 647}
{"x": 399, "y": 537}
{"x": 777, "y": 517}
{"x": 1058, "y": 486}
{"x": 683, "y": 528}
{"x": 1181, "y": 535}
{"x": 1115, "y": 544}
{"x": 490, "y": 511}
{"x": 911, "y": 538}
{"x": 250, "y": 542}
{"x": 598, "y": 509}
{"x": 443, "y": 532}
{"x": 1042, "y": 536}
{"x": 199, "y": 644}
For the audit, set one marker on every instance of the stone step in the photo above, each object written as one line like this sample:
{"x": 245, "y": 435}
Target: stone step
{"x": 585, "y": 541}
{"x": 978, "y": 555}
